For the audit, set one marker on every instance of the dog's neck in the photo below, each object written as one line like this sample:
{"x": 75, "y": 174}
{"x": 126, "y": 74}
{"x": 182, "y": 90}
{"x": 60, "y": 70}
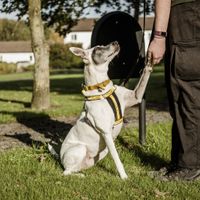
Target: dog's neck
{"x": 95, "y": 74}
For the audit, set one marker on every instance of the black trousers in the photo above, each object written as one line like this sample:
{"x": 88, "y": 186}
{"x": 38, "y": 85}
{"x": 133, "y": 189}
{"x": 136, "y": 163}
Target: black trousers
{"x": 182, "y": 74}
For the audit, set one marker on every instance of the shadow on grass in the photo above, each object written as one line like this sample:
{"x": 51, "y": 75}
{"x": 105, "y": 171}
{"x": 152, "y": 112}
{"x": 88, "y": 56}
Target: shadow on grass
{"x": 152, "y": 159}
{"x": 56, "y": 131}
{"x": 49, "y": 128}
{"x": 26, "y": 139}
{"x": 25, "y": 104}
{"x": 71, "y": 85}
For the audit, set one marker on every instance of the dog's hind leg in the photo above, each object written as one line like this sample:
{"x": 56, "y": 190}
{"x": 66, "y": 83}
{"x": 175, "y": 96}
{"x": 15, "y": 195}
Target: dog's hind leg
{"x": 101, "y": 155}
{"x": 73, "y": 159}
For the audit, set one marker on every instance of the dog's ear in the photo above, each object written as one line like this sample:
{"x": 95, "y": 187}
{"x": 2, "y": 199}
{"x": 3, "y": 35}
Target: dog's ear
{"x": 78, "y": 52}
{"x": 81, "y": 53}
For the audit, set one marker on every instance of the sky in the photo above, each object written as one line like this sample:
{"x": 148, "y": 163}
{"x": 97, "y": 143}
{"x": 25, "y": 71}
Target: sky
{"x": 90, "y": 10}
{"x": 92, "y": 13}
{"x": 10, "y": 16}
{"x": 13, "y": 15}
{"x": 3, "y": 15}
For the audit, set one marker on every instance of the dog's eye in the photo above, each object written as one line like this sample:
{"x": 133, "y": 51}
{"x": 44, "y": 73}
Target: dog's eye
{"x": 97, "y": 50}
{"x": 98, "y": 55}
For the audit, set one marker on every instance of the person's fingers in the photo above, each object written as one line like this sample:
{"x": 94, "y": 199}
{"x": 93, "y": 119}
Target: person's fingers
{"x": 156, "y": 61}
{"x": 153, "y": 57}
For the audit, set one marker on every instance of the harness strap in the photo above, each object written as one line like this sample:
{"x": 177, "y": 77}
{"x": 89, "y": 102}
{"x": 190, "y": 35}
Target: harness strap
{"x": 113, "y": 100}
{"x": 101, "y": 85}
{"x": 101, "y": 96}
{"x": 115, "y": 105}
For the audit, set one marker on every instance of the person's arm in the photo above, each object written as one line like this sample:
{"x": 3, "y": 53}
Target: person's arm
{"x": 157, "y": 46}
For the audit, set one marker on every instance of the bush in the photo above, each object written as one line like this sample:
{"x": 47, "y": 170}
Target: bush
{"x": 12, "y": 30}
{"x": 7, "y": 67}
{"x": 62, "y": 58}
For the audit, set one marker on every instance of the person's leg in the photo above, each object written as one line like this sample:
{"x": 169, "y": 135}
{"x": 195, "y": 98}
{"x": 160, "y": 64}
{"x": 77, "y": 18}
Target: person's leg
{"x": 188, "y": 124}
{"x": 184, "y": 92}
{"x": 183, "y": 81}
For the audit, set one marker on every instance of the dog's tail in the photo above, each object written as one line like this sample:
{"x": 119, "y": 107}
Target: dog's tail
{"x": 52, "y": 151}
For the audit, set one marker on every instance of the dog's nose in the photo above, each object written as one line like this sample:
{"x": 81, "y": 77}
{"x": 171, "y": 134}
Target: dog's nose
{"x": 115, "y": 43}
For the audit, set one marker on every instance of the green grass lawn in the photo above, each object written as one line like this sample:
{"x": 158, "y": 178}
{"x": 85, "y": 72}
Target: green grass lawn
{"x": 66, "y": 98}
{"x": 16, "y": 93}
{"x": 31, "y": 173}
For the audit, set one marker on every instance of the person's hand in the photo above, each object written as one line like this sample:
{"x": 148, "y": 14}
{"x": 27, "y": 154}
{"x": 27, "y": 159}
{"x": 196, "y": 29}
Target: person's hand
{"x": 156, "y": 49}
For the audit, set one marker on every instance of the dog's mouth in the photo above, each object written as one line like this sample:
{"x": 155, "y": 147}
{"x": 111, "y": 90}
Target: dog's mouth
{"x": 116, "y": 50}
{"x": 103, "y": 54}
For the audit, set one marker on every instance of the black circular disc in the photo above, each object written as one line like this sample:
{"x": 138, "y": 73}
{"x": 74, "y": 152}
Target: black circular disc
{"x": 122, "y": 27}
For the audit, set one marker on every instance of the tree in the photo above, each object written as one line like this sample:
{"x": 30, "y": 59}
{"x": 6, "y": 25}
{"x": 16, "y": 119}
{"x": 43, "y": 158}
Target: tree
{"x": 41, "y": 96}
{"x": 12, "y": 30}
{"x": 61, "y": 15}
{"x": 134, "y": 7}
{"x": 62, "y": 58}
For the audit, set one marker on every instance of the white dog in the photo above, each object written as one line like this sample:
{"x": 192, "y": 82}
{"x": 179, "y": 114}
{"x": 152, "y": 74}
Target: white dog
{"x": 101, "y": 120}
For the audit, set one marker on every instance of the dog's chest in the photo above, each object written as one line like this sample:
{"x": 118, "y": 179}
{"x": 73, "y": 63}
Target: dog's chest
{"x": 106, "y": 106}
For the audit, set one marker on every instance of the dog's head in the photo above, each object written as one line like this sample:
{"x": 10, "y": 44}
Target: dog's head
{"x": 97, "y": 55}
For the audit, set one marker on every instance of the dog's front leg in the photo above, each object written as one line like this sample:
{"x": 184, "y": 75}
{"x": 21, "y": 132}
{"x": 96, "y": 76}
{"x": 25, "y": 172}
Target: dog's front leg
{"x": 111, "y": 146}
{"x": 102, "y": 120}
{"x": 141, "y": 86}
{"x": 134, "y": 97}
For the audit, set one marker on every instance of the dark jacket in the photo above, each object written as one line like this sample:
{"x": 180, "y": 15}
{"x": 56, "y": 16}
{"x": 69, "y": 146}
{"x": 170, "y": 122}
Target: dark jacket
{"x": 175, "y": 2}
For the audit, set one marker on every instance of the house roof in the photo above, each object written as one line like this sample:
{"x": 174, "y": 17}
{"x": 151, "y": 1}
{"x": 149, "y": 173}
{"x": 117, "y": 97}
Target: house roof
{"x": 148, "y": 22}
{"x": 87, "y": 24}
{"x": 15, "y": 46}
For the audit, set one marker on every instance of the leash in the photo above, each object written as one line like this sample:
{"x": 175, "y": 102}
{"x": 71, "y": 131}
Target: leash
{"x": 124, "y": 82}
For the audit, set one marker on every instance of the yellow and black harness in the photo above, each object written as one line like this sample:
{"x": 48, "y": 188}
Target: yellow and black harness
{"x": 110, "y": 96}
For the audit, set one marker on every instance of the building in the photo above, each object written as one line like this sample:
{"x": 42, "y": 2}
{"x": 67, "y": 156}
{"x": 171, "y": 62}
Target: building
{"x": 148, "y": 29}
{"x": 81, "y": 33}
{"x": 18, "y": 52}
